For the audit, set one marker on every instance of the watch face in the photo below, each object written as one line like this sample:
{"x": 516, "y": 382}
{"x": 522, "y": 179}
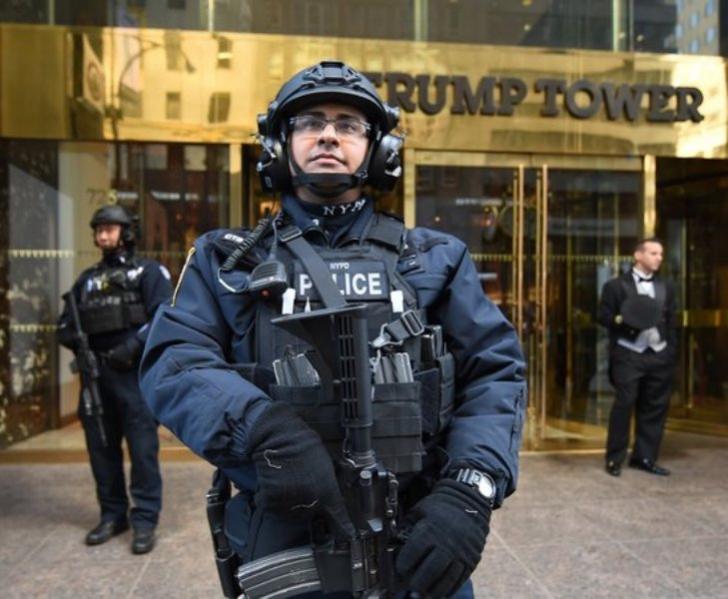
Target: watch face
{"x": 485, "y": 487}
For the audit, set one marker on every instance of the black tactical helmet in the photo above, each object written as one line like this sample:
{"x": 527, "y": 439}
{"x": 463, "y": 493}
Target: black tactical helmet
{"x": 329, "y": 81}
{"x": 113, "y": 214}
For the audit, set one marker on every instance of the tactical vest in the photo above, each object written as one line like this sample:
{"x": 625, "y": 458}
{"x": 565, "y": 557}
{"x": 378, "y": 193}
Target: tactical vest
{"x": 111, "y": 299}
{"x": 404, "y": 413}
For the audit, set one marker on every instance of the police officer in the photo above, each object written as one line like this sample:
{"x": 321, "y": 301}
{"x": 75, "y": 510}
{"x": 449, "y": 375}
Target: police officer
{"x": 207, "y": 362}
{"x": 115, "y": 298}
{"x": 638, "y": 308}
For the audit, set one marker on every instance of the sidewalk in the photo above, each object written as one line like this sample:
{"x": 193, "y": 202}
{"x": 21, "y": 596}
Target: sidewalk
{"x": 569, "y": 531}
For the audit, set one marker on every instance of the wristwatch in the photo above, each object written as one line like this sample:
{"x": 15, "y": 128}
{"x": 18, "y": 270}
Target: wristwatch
{"x": 480, "y": 481}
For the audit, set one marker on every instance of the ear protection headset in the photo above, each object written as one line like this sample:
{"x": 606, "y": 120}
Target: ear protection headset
{"x": 328, "y": 81}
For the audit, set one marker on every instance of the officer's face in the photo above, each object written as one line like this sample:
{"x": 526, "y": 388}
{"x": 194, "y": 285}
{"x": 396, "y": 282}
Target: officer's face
{"x": 107, "y": 236}
{"x": 336, "y": 146}
{"x": 649, "y": 257}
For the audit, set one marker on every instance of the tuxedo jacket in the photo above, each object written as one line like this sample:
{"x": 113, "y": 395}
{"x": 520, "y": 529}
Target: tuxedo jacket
{"x": 616, "y": 291}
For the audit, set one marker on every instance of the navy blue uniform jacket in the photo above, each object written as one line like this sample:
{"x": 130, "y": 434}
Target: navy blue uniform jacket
{"x": 188, "y": 381}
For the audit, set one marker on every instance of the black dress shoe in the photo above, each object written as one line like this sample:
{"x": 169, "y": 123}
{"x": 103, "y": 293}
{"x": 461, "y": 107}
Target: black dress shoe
{"x": 143, "y": 541}
{"x": 105, "y": 530}
{"x": 648, "y": 466}
{"x": 613, "y": 468}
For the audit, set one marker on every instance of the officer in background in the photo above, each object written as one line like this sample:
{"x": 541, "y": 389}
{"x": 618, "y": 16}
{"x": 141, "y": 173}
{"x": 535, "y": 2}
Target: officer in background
{"x": 115, "y": 298}
{"x": 638, "y": 308}
{"x": 206, "y": 370}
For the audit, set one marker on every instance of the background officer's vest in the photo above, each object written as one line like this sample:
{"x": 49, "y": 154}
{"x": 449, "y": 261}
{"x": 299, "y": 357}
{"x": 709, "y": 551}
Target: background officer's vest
{"x": 111, "y": 299}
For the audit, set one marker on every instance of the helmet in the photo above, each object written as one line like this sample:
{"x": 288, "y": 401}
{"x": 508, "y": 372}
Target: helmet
{"x": 329, "y": 81}
{"x": 113, "y": 214}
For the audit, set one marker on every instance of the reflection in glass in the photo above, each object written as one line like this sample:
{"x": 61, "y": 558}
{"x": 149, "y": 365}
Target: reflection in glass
{"x": 665, "y": 26}
{"x": 28, "y": 288}
{"x": 593, "y": 221}
{"x": 48, "y": 192}
{"x": 556, "y": 23}
{"x": 593, "y": 225}
{"x": 475, "y": 205}
{"x": 26, "y": 11}
{"x": 692, "y": 218}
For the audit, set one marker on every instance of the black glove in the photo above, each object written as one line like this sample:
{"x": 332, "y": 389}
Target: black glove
{"x": 295, "y": 473}
{"x": 125, "y": 355}
{"x": 444, "y": 540}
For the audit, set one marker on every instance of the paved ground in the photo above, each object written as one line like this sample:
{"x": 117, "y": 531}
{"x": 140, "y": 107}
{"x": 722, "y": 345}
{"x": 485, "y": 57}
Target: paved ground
{"x": 570, "y": 531}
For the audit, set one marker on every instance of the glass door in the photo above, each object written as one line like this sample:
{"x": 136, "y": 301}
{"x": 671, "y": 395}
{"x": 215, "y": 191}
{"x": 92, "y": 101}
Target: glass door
{"x": 692, "y": 213}
{"x": 545, "y": 234}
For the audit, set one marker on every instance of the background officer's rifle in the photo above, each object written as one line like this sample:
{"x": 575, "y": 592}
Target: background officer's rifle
{"x": 364, "y": 565}
{"x": 86, "y": 364}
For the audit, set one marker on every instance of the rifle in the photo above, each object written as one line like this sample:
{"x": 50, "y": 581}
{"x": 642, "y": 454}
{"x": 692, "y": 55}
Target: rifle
{"x": 86, "y": 364}
{"x": 364, "y": 565}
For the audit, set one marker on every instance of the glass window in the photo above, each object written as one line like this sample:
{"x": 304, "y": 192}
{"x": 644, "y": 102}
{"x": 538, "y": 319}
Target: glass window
{"x": 172, "y": 14}
{"x": 89, "y": 13}
{"x": 27, "y": 11}
{"x": 48, "y": 192}
{"x": 173, "y": 108}
{"x": 224, "y": 52}
{"x": 553, "y": 24}
{"x": 383, "y": 19}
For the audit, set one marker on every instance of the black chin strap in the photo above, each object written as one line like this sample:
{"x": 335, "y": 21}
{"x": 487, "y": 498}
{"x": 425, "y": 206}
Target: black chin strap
{"x": 330, "y": 185}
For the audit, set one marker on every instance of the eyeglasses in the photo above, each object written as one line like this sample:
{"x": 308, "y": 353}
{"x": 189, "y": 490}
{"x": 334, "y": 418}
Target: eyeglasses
{"x": 345, "y": 126}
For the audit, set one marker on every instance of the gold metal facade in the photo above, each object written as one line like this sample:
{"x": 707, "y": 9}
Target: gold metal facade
{"x": 558, "y": 175}
{"x": 162, "y": 85}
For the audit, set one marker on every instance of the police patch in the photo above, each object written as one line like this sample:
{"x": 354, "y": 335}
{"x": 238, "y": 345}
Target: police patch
{"x": 356, "y": 279}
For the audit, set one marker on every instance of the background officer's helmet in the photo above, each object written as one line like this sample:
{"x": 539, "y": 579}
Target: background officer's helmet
{"x": 329, "y": 82}
{"x": 113, "y": 214}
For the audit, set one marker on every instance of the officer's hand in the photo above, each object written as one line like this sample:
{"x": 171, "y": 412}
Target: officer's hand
{"x": 125, "y": 355}
{"x": 295, "y": 473}
{"x": 445, "y": 541}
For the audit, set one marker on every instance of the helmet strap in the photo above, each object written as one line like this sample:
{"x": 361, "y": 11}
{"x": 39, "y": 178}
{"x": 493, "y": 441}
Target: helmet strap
{"x": 329, "y": 185}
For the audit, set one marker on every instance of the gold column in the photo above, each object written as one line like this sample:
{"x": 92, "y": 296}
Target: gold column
{"x": 541, "y": 290}
{"x": 649, "y": 193}
{"x": 235, "y": 160}
{"x": 421, "y": 20}
{"x": 410, "y": 179}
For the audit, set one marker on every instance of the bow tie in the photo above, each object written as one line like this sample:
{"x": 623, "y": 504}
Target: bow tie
{"x": 643, "y": 279}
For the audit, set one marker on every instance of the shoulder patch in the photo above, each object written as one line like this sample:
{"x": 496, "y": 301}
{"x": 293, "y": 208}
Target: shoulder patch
{"x": 165, "y": 272}
{"x": 233, "y": 237}
{"x": 228, "y": 241}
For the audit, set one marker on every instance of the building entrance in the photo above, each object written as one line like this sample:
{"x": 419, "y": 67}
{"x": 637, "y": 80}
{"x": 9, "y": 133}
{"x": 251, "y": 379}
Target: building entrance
{"x": 545, "y": 233}
{"x": 691, "y": 216}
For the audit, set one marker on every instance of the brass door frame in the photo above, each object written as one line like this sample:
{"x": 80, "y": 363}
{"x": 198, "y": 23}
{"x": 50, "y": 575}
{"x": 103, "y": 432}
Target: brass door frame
{"x": 521, "y": 164}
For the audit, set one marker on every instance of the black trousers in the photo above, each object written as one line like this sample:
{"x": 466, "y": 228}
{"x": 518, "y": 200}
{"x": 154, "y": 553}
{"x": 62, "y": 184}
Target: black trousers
{"x": 126, "y": 415}
{"x": 643, "y": 383}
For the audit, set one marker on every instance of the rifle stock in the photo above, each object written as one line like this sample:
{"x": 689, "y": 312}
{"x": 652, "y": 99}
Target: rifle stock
{"x": 87, "y": 366}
